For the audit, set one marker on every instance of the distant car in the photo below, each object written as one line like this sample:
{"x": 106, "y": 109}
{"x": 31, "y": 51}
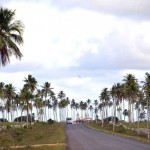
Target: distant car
{"x": 69, "y": 121}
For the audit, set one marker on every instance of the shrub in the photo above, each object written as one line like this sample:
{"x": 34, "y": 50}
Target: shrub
{"x": 50, "y": 121}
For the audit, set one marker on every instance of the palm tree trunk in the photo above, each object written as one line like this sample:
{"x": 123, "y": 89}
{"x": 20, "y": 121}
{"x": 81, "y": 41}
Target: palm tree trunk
{"x": 114, "y": 119}
{"x": 27, "y": 116}
{"x": 148, "y": 113}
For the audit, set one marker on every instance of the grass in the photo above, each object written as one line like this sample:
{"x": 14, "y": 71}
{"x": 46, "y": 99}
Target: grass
{"x": 120, "y": 130}
{"x": 40, "y": 133}
{"x": 135, "y": 125}
{"x": 44, "y": 148}
{"x": 11, "y": 123}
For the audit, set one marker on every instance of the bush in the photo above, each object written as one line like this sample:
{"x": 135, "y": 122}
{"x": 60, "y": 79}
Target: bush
{"x": 50, "y": 121}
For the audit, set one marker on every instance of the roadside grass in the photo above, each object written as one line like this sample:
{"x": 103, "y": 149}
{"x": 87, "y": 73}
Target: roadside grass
{"x": 120, "y": 130}
{"x": 43, "y": 148}
{"x": 135, "y": 125}
{"x": 11, "y": 123}
{"x": 39, "y": 133}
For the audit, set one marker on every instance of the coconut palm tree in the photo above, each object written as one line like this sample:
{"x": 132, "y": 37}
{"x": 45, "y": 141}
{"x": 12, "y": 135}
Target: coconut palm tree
{"x": 72, "y": 105}
{"x": 9, "y": 93}
{"x": 38, "y": 103}
{"x": 55, "y": 105}
{"x": 67, "y": 104}
{"x": 88, "y": 103}
{"x": 131, "y": 90}
{"x": 30, "y": 85}
{"x": 91, "y": 111}
{"x": 83, "y": 107}
{"x": 104, "y": 97}
{"x": 26, "y": 96}
{"x": 95, "y": 108}
{"x": 46, "y": 90}
{"x": 10, "y": 35}
{"x": 113, "y": 93}
{"x": 146, "y": 88}
{"x": 2, "y": 85}
{"x": 62, "y": 105}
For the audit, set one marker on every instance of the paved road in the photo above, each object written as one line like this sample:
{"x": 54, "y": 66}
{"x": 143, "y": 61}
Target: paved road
{"x": 80, "y": 137}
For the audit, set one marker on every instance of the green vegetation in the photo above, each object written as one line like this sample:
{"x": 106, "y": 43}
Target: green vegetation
{"x": 11, "y": 123}
{"x": 44, "y": 148}
{"x": 40, "y": 133}
{"x": 135, "y": 124}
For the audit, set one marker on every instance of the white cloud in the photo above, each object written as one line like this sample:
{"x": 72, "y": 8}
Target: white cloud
{"x": 80, "y": 50}
{"x": 137, "y": 9}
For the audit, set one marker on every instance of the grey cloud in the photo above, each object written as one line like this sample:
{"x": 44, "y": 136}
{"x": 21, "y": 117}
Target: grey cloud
{"x": 117, "y": 53}
{"x": 138, "y": 9}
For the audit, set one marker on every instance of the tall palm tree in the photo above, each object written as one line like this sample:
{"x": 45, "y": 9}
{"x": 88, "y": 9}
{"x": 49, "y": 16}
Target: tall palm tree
{"x": 55, "y": 105}
{"x": 10, "y": 35}
{"x": 113, "y": 95}
{"x": 96, "y": 109}
{"x": 30, "y": 85}
{"x": 38, "y": 103}
{"x": 146, "y": 87}
{"x": 10, "y": 94}
{"x": 72, "y": 105}
{"x": 25, "y": 96}
{"x": 88, "y": 103}
{"x": 2, "y": 85}
{"x": 91, "y": 111}
{"x": 131, "y": 90}
{"x": 61, "y": 104}
{"x": 46, "y": 90}
{"x": 104, "y": 97}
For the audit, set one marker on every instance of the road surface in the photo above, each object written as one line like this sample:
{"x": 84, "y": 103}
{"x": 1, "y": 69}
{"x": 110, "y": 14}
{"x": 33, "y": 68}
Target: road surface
{"x": 80, "y": 137}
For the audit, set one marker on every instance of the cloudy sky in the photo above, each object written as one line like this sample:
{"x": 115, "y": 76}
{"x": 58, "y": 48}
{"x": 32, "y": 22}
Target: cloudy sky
{"x": 81, "y": 46}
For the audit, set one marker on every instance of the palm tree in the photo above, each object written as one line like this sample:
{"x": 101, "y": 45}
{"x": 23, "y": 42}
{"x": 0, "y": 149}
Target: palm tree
{"x": 77, "y": 106}
{"x": 61, "y": 104}
{"x": 146, "y": 88}
{"x": 16, "y": 103}
{"x": 25, "y": 96}
{"x": 131, "y": 90}
{"x": 10, "y": 35}
{"x": 114, "y": 96}
{"x": 10, "y": 94}
{"x": 104, "y": 97}
{"x": 96, "y": 109}
{"x": 88, "y": 103}
{"x": 72, "y": 105}
{"x": 30, "y": 85}
{"x": 67, "y": 104}
{"x": 91, "y": 111}
{"x": 83, "y": 107}
{"x": 2, "y": 85}
{"x": 54, "y": 105}
{"x": 46, "y": 90}
{"x": 38, "y": 103}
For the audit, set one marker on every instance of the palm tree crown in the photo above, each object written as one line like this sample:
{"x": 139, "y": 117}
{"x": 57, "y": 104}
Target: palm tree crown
{"x": 10, "y": 35}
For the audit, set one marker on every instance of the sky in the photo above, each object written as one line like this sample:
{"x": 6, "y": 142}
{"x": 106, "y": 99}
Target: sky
{"x": 80, "y": 46}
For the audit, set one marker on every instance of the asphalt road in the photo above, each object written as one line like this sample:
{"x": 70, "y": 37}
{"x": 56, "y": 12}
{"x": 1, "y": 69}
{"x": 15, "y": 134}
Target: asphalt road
{"x": 80, "y": 137}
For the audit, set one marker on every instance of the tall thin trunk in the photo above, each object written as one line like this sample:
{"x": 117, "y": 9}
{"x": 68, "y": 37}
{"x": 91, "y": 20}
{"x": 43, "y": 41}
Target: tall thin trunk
{"x": 148, "y": 113}
{"x": 114, "y": 119}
